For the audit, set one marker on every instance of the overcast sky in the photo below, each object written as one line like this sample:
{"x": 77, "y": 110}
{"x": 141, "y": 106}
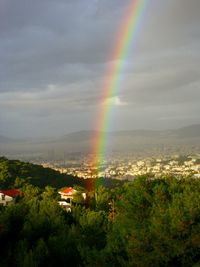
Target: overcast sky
{"x": 54, "y": 56}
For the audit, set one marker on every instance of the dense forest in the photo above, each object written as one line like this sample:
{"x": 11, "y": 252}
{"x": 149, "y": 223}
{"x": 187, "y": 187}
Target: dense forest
{"x": 147, "y": 222}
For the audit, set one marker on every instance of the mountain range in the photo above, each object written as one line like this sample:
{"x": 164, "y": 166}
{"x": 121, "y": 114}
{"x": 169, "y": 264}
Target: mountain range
{"x": 120, "y": 141}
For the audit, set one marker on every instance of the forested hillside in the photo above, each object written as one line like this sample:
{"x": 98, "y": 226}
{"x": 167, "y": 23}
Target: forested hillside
{"x": 15, "y": 173}
{"x": 141, "y": 223}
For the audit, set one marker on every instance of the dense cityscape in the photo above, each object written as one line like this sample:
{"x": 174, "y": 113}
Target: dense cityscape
{"x": 128, "y": 167}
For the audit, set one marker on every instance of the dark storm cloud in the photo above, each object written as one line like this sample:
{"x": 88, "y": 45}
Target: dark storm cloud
{"x": 54, "y": 56}
{"x": 40, "y": 40}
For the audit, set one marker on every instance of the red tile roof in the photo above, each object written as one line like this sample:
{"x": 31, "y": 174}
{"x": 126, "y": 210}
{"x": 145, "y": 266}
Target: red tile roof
{"x": 69, "y": 191}
{"x": 11, "y": 192}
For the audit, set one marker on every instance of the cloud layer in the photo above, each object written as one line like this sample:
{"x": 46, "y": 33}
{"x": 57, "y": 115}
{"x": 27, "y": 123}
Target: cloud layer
{"x": 54, "y": 58}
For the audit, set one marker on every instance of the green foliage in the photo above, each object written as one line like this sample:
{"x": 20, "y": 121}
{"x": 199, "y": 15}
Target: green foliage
{"x": 157, "y": 224}
{"x": 102, "y": 198}
{"x": 147, "y": 222}
{"x": 14, "y": 173}
{"x": 93, "y": 230}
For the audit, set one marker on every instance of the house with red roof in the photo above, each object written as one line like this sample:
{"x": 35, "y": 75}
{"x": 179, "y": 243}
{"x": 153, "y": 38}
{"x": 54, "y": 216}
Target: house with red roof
{"x": 68, "y": 194}
{"x": 8, "y": 196}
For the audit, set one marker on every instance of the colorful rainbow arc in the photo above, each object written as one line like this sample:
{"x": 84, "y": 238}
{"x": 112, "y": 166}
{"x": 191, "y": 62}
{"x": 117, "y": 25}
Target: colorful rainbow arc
{"x": 125, "y": 40}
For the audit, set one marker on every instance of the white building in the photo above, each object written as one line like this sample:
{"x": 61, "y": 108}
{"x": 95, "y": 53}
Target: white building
{"x": 8, "y": 196}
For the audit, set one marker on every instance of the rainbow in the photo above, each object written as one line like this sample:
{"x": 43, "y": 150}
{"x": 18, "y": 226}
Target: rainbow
{"x": 125, "y": 39}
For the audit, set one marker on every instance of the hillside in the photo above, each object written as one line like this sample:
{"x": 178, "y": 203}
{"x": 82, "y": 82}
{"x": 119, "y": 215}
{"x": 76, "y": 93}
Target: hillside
{"x": 183, "y": 139}
{"x": 14, "y": 173}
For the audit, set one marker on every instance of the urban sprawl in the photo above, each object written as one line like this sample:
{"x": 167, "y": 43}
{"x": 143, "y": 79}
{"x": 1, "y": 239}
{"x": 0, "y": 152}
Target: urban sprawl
{"x": 129, "y": 167}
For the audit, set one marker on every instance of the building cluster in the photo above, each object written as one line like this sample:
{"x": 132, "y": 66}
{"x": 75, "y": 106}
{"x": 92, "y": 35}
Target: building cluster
{"x": 67, "y": 196}
{"x": 131, "y": 167}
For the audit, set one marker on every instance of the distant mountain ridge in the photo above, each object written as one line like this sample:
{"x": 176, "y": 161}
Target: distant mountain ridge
{"x": 120, "y": 141}
{"x": 192, "y": 131}
{"x": 4, "y": 139}
{"x": 77, "y": 136}
{"x": 187, "y": 131}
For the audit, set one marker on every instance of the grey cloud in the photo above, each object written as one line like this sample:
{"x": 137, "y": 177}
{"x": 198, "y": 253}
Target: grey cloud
{"x": 172, "y": 86}
{"x": 54, "y": 56}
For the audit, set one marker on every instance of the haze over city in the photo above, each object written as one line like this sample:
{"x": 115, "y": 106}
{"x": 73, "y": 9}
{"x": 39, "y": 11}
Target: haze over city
{"x": 54, "y": 59}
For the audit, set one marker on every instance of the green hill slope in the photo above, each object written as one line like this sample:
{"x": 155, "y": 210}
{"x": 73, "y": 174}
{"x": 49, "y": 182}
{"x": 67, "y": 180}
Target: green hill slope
{"x": 14, "y": 172}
